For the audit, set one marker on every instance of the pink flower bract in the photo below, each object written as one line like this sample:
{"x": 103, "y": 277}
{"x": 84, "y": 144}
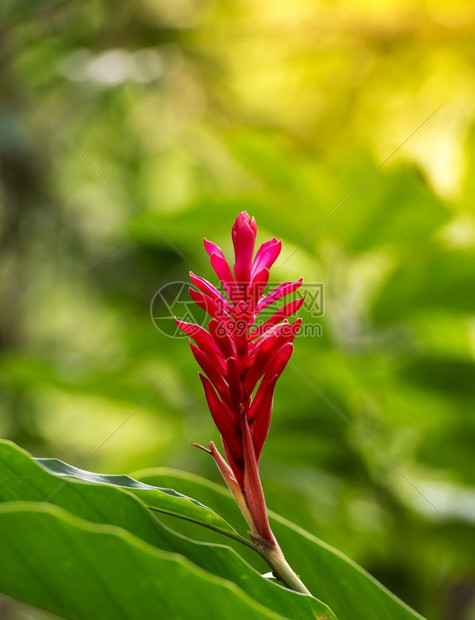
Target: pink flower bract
{"x": 242, "y": 358}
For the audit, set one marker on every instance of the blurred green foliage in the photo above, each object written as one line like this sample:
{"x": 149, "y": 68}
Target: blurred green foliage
{"x": 194, "y": 111}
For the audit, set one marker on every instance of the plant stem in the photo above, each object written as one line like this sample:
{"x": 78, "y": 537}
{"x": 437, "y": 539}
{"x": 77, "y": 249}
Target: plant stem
{"x": 281, "y": 569}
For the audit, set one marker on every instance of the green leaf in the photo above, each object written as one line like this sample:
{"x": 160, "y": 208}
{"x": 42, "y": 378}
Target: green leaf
{"x": 349, "y": 590}
{"x": 160, "y": 499}
{"x": 100, "y": 503}
{"x": 87, "y": 571}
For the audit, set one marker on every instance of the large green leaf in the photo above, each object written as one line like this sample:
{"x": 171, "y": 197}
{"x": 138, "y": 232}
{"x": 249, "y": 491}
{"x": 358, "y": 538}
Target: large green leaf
{"x": 102, "y": 503}
{"x": 350, "y": 591}
{"x": 86, "y": 571}
{"x": 160, "y": 499}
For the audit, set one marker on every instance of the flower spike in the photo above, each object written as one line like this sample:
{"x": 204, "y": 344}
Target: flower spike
{"x": 242, "y": 357}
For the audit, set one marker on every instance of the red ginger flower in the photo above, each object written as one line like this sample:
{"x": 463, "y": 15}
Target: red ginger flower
{"x": 236, "y": 356}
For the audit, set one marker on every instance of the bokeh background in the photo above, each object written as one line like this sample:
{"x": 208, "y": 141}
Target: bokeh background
{"x": 196, "y": 110}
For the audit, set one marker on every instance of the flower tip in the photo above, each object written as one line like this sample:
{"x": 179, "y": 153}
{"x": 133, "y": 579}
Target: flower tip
{"x": 210, "y": 247}
{"x": 205, "y": 381}
{"x": 244, "y": 221}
